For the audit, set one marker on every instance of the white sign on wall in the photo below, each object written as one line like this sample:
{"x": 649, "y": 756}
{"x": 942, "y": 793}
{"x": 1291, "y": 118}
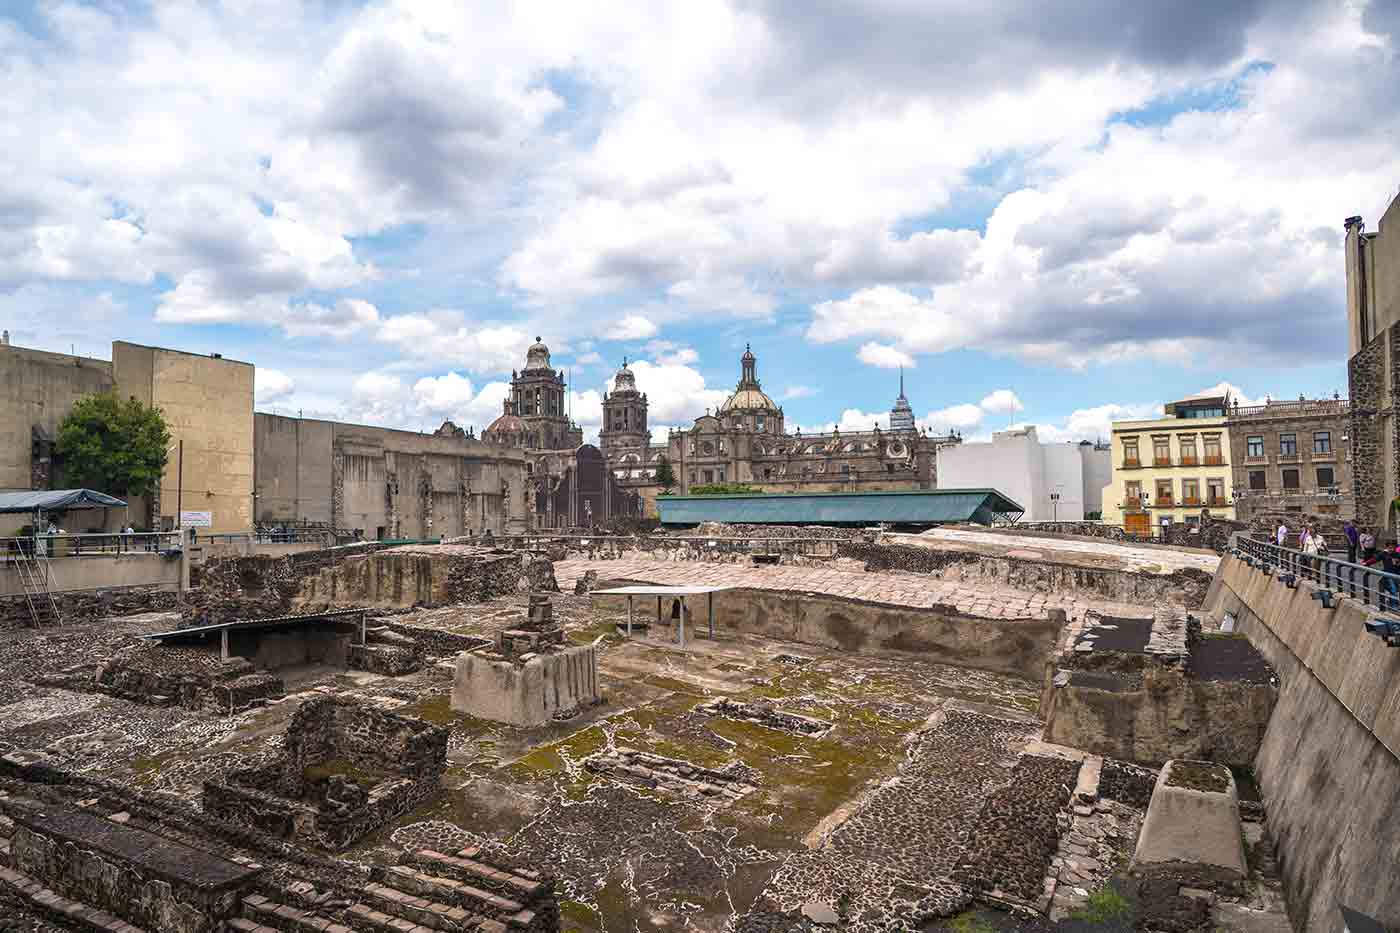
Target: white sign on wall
{"x": 197, "y": 519}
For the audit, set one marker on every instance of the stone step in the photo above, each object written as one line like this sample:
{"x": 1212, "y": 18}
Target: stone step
{"x": 264, "y": 913}
{"x": 383, "y": 900}
{"x": 461, "y": 894}
{"x": 464, "y": 866}
{"x": 74, "y": 914}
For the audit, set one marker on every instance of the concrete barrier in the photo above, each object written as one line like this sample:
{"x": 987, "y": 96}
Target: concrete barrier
{"x": 97, "y": 572}
{"x": 1329, "y": 766}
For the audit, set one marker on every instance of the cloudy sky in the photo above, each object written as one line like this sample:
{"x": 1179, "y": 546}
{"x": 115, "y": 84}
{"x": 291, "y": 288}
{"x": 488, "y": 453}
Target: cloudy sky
{"x": 1055, "y": 214}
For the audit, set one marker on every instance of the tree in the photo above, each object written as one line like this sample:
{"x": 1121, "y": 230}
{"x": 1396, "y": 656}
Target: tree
{"x": 665, "y": 475}
{"x": 114, "y": 446}
{"x": 724, "y": 489}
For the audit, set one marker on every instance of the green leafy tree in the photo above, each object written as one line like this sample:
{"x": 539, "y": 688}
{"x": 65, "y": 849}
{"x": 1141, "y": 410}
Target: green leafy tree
{"x": 665, "y": 475}
{"x": 114, "y": 446}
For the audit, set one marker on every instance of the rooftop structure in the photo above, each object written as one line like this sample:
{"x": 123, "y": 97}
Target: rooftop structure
{"x": 909, "y": 507}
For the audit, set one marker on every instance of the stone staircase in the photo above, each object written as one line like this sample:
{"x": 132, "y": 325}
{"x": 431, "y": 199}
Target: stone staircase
{"x": 42, "y": 902}
{"x": 429, "y": 891}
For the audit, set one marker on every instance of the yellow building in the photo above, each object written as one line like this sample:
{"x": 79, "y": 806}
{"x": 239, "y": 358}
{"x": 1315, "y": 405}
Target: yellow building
{"x": 1167, "y": 470}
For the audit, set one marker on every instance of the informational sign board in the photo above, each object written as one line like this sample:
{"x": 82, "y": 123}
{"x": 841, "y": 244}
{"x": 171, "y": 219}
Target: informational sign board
{"x": 197, "y": 519}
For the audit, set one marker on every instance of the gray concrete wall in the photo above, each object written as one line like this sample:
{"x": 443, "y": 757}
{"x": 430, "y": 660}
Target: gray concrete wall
{"x": 1015, "y": 646}
{"x": 292, "y": 468}
{"x": 274, "y": 649}
{"x": 39, "y": 388}
{"x": 1329, "y": 765}
{"x": 99, "y": 571}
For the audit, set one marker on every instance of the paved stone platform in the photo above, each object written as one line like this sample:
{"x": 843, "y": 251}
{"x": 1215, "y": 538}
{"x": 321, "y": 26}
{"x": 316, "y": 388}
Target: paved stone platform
{"x": 898, "y": 589}
{"x": 1128, "y": 556}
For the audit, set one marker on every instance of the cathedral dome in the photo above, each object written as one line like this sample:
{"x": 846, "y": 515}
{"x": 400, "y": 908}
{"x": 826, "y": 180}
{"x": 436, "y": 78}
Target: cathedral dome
{"x": 748, "y": 397}
{"x": 507, "y": 424}
{"x": 537, "y": 357}
{"x": 624, "y": 381}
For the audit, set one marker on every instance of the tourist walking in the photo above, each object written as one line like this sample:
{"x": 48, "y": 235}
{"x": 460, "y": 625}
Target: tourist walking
{"x": 1281, "y": 535}
{"x": 1389, "y": 597}
{"x": 1308, "y": 544}
{"x": 1353, "y": 540}
{"x": 1368, "y": 547}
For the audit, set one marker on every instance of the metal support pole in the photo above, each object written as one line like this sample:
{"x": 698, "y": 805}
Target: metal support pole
{"x": 712, "y": 617}
{"x": 658, "y": 610}
{"x": 681, "y": 631}
{"x": 629, "y": 616}
{"x": 363, "y": 639}
{"x": 223, "y": 644}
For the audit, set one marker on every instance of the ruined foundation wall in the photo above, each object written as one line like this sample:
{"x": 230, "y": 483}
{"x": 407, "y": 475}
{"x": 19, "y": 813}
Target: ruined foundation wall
{"x": 1185, "y": 588}
{"x": 526, "y": 694}
{"x": 1009, "y": 646}
{"x": 1168, "y": 716}
{"x": 403, "y": 579}
{"x": 1328, "y": 768}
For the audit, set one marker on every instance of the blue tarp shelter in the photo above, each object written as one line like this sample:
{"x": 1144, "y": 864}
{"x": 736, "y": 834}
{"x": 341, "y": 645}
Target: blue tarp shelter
{"x": 56, "y": 500}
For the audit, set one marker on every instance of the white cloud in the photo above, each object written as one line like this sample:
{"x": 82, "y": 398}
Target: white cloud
{"x": 632, "y": 327}
{"x": 884, "y": 356}
{"x": 449, "y": 337}
{"x": 269, "y": 385}
{"x": 961, "y": 417}
{"x": 799, "y": 391}
{"x": 1091, "y": 424}
{"x": 676, "y": 392}
{"x": 1001, "y": 402}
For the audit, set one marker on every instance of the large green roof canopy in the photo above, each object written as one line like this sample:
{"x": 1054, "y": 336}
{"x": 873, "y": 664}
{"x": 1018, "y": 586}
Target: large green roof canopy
{"x": 911, "y": 507}
{"x": 56, "y": 500}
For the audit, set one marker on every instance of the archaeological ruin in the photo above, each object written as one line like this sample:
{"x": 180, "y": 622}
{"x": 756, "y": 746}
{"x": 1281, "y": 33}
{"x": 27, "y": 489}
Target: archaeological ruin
{"x": 962, "y": 730}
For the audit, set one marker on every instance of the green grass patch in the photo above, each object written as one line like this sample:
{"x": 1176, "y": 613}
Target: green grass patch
{"x": 1103, "y": 905}
{"x": 969, "y": 922}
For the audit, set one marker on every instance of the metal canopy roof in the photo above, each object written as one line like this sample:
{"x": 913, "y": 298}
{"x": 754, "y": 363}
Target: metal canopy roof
{"x": 57, "y": 500}
{"x": 907, "y": 507}
{"x": 336, "y": 615}
{"x": 661, "y": 590}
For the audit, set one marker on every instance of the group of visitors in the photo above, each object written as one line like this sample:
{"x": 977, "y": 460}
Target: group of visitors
{"x": 1361, "y": 549}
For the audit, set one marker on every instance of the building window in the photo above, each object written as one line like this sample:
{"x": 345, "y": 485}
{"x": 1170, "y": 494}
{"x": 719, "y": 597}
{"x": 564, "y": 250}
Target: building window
{"x": 1164, "y": 492}
{"x": 1130, "y": 452}
{"x": 709, "y": 476}
{"x": 1190, "y": 492}
{"x": 1257, "y": 480}
{"x": 1326, "y": 479}
{"x": 692, "y": 477}
{"x": 1188, "y": 450}
{"x": 1290, "y": 479}
{"x": 1322, "y": 442}
{"x": 767, "y": 472}
{"x": 1288, "y": 445}
{"x": 721, "y": 476}
{"x": 1254, "y": 447}
{"x": 1161, "y": 451}
{"x": 1215, "y": 492}
{"x": 1211, "y": 444}
{"x": 889, "y": 468}
{"x": 1132, "y": 495}
{"x": 845, "y": 468}
{"x": 762, "y": 422}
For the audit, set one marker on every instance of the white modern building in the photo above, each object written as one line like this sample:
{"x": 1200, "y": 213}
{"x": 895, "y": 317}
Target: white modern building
{"x": 1052, "y": 482}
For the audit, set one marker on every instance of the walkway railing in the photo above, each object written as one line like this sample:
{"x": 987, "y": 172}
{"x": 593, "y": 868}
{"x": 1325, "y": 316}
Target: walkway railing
{"x": 761, "y": 546}
{"x": 89, "y": 545}
{"x": 1373, "y": 587}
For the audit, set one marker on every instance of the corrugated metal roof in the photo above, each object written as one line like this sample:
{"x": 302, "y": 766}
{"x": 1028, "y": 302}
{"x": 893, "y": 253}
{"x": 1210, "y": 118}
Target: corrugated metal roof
{"x": 909, "y": 507}
{"x": 56, "y": 500}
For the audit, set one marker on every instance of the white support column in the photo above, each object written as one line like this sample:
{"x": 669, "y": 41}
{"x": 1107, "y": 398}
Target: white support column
{"x": 712, "y": 617}
{"x": 629, "y": 616}
{"x": 223, "y": 644}
{"x": 681, "y": 631}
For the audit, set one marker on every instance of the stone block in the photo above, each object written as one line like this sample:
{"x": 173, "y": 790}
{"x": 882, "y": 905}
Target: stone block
{"x": 1192, "y": 831}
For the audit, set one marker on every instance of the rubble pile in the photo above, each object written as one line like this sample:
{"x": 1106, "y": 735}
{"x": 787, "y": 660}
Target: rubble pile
{"x": 238, "y": 588}
{"x": 673, "y": 775}
{"x": 764, "y": 714}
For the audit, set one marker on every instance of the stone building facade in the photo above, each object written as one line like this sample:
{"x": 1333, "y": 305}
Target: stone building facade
{"x": 207, "y": 402}
{"x": 535, "y": 415}
{"x": 1373, "y": 367}
{"x": 387, "y": 483}
{"x": 1173, "y": 469}
{"x": 1292, "y": 456}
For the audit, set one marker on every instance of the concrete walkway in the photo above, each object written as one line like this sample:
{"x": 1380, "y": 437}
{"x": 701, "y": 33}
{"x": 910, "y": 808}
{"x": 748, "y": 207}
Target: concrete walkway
{"x": 1131, "y": 557}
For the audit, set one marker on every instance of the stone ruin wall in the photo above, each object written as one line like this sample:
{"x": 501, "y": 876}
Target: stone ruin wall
{"x": 277, "y": 799}
{"x": 97, "y": 879}
{"x": 529, "y": 694}
{"x": 419, "y": 576}
{"x": 92, "y": 605}
{"x": 1186, "y": 588}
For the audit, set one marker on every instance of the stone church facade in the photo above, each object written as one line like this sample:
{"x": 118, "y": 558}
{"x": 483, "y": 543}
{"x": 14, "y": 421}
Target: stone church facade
{"x": 746, "y": 441}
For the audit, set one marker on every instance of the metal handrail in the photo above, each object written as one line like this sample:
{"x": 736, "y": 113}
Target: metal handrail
{"x": 79, "y": 545}
{"x": 1374, "y": 588}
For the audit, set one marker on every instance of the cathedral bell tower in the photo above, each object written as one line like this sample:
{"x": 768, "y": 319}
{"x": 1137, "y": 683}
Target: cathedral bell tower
{"x": 625, "y": 430}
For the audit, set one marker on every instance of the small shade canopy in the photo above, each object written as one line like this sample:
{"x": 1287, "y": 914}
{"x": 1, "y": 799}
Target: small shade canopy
{"x": 56, "y": 500}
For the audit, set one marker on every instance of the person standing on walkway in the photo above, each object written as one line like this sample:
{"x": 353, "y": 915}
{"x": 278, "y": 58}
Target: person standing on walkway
{"x": 1353, "y": 540}
{"x": 1281, "y": 535}
{"x": 1368, "y": 547}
